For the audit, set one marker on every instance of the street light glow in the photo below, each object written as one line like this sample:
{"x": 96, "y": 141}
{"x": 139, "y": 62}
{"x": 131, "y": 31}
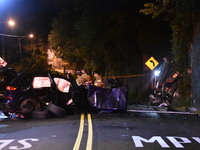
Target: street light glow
{"x": 31, "y": 35}
{"x": 11, "y": 22}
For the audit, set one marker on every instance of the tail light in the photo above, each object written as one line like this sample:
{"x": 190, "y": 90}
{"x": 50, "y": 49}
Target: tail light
{"x": 8, "y": 98}
{"x": 175, "y": 75}
{"x": 169, "y": 80}
{"x": 11, "y": 88}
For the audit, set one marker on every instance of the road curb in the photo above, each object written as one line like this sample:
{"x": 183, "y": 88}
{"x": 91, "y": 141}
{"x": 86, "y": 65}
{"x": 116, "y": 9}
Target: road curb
{"x": 155, "y": 109}
{"x": 161, "y": 112}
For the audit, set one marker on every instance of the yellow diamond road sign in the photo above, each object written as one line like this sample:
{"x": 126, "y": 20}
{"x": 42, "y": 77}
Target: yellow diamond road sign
{"x": 151, "y": 63}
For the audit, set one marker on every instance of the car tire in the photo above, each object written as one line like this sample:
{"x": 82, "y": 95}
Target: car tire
{"x": 42, "y": 114}
{"x": 56, "y": 110}
{"x": 29, "y": 105}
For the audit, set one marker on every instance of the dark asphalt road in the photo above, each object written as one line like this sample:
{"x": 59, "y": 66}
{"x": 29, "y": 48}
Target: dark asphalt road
{"x": 106, "y": 131}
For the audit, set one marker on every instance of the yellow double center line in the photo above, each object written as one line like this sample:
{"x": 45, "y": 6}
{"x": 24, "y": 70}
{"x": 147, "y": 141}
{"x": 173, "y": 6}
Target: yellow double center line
{"x": 80, "y": 133}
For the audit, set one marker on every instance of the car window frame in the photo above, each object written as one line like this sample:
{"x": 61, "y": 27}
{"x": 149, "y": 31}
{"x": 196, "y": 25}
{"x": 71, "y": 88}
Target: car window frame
{"x": 59, "y": 84}
{"x": 42, "y": 78}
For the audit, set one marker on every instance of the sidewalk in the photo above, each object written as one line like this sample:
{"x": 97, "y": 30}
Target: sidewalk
{"x": 145, "y": 107}
{"x": 154, "y": 109}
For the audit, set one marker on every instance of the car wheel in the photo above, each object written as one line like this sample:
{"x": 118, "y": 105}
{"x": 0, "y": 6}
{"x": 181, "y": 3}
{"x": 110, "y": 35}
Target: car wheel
{"x": 28, "y": 106}
{"x": 42, "y": 114}
{"x": 56, "y": 110}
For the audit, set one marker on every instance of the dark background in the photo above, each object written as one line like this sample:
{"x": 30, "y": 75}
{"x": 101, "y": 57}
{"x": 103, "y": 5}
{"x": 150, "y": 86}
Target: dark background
{"x": 36, "y": 16}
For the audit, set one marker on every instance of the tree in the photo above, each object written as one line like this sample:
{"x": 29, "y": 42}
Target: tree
{"x": 102, "y": 36}
{"x": 34, "y": 57}
{"x": 97, "y": 35}
{"x": 63, "y": 37}
{"x": 182, "y": 15}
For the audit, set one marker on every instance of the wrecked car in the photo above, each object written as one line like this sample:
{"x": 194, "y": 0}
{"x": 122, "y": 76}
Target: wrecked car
{"x": 164, "y": 93}
{"x": 6, "y": 75}
{"x": 28, "y": 93}
{"x": 44, "y": 95}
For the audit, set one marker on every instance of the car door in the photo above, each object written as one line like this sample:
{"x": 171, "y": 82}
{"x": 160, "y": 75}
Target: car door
{"x": 63, "y": 90}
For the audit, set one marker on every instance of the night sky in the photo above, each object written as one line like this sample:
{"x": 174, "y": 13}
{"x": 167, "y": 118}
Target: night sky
{"x": 36, "y": 16}
{"x": 30, "y": 15}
